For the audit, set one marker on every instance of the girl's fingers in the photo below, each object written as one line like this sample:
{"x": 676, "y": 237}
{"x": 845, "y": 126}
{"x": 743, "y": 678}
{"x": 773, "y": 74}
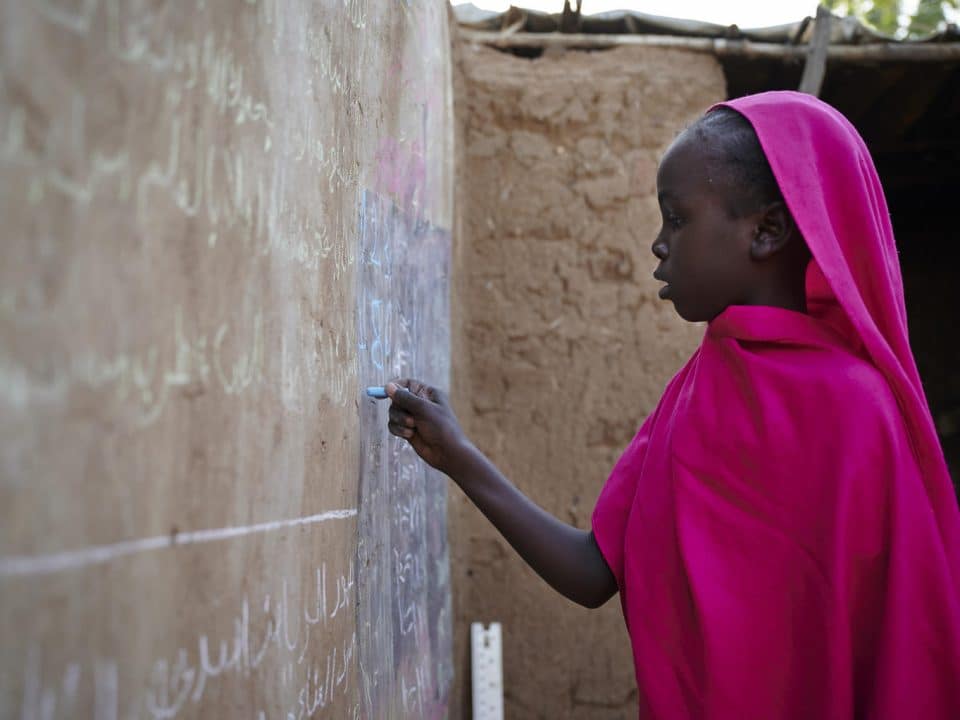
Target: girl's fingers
{"x": 401, "y": 417}
{"x": 411, "y": 402}
{"x": 400, "y": 430}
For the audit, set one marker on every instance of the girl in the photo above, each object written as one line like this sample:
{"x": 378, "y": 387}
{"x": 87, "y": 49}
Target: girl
{"x": 782, "y": 530}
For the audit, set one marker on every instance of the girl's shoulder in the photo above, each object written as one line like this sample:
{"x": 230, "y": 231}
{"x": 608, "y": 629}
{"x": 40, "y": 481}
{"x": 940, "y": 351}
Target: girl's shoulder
{"x": 852, "y": 385}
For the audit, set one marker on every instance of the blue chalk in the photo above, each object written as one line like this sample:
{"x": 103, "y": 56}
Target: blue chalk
{"x": 380, "y": 393}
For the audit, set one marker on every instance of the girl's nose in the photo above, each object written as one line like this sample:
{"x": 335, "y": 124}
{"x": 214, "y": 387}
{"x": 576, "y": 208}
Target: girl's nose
{"x": 660, "y": 249}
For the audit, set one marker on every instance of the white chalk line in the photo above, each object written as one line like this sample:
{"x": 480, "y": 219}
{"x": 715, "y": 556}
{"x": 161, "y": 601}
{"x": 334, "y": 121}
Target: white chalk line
{"x": 19, "y": 565}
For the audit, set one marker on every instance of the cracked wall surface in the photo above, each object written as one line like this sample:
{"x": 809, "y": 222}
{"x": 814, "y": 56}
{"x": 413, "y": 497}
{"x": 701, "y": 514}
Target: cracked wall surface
{"x": 560, "y": 345}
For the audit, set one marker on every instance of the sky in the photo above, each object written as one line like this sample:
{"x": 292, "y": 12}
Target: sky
{"x": 745, "y": 13}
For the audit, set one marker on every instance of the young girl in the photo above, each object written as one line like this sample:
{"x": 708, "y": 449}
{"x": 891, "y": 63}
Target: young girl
{"x": 782, "y": 530}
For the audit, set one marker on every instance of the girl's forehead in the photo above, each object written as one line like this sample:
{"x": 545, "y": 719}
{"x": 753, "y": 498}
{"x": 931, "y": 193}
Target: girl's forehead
{"x": 694, "y": 168}
{"x": 688, "y": 159}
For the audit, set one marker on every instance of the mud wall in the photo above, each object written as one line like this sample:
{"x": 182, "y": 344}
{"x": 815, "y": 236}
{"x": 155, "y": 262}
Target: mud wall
{"x": 221, "y": 221}
{"x": 560, "y": 345}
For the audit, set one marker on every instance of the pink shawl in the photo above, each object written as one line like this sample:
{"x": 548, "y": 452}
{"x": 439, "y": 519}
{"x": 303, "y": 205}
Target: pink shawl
{"x": 782, "y": 528}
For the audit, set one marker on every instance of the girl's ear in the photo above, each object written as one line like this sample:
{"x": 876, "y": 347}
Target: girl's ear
{"x": 773, "y": 231}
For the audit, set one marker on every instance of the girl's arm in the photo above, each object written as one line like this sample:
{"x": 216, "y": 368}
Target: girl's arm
{"x": 566, "y": 557}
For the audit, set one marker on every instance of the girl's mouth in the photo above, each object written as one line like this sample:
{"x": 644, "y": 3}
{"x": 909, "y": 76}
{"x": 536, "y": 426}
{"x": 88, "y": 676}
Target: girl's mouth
{"x": 664, "y": 291}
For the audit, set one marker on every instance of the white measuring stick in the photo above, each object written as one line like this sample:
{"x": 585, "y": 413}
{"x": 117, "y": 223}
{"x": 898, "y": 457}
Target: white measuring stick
{"x": 487, "y": 670}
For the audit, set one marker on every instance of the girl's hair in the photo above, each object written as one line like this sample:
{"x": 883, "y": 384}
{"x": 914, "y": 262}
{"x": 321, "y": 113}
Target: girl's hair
{"x": 733, "y": 139}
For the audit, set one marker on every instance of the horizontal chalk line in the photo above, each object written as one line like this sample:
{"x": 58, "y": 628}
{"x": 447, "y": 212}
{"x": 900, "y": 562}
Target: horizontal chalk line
{"x": 16, "y": 565}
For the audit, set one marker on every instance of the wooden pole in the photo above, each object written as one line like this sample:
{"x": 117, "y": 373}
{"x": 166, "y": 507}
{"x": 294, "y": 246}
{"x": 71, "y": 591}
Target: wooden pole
{"x": 722, "y": 47}
{"x": 816, "y": 65}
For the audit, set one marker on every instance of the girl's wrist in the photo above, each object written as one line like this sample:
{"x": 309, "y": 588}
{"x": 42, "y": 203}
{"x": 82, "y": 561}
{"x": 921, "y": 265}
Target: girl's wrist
{"x": 465, "y": 458}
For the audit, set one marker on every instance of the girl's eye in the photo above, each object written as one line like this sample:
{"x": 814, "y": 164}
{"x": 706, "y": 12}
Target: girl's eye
{"x": 674, "y": 221}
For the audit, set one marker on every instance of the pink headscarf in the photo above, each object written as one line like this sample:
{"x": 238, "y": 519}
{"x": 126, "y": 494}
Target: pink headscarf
{"x": 783, "y": 529}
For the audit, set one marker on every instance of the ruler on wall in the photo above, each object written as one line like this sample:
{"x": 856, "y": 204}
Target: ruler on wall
{"x": 487, "y": 671}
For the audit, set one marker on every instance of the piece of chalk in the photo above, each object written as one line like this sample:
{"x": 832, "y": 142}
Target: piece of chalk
{"x": 379, "y": 393}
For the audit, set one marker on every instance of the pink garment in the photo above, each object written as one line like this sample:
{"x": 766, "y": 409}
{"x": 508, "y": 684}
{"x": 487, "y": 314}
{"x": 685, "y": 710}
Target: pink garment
{"x": 783, "y": 529}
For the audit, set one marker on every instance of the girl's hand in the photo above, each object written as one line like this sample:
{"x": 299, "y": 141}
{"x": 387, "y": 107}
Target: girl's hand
{"x": 564, "y": 556}
{"x": 423, "y": 416}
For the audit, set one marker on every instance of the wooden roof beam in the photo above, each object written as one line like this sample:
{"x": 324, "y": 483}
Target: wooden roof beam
{"x": 722, "y": 47}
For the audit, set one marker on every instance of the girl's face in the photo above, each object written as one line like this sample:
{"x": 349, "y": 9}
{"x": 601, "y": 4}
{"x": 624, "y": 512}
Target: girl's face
{"x": 704, "y": 252}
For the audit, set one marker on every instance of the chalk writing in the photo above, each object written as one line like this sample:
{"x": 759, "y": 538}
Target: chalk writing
{"x": 233, "y": 190}
{"x": 149, "y": 376}
{"x": 230, "y": 358}
{"x": 184, "y": 180}
{"x": 401, "y": 323}
{"x": 136, "y": 34}
{"x": 178, "y": 683}
{"x": 240, "y": 188}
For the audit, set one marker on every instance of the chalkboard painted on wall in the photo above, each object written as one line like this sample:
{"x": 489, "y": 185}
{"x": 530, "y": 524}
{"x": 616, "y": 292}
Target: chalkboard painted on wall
{"x": 403, "y": 326}
{"x": 220, "y": 221}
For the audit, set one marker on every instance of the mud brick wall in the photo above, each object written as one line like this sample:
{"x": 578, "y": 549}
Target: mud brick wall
{"x": 560, "y": 345}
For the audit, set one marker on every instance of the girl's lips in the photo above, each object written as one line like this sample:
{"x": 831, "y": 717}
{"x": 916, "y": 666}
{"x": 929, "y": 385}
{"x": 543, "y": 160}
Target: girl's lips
{"x": 664, "y": 291}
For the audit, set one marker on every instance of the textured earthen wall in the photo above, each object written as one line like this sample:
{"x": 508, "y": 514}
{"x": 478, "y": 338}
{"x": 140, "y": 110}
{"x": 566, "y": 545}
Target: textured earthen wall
{"x": 560, "y": 345}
